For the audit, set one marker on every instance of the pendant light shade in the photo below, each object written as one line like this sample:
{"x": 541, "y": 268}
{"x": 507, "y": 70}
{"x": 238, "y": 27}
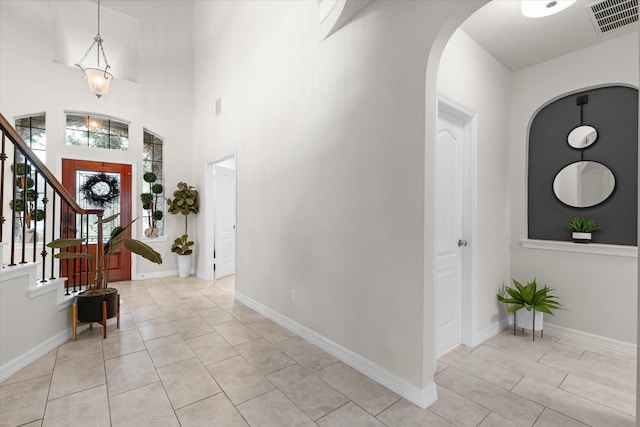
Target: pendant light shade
{"x": 542, "y": 8}
{"x": 98, "y": 77}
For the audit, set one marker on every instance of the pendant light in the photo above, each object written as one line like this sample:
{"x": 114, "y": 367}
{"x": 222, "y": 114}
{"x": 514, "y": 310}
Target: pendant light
{"x": 98, "y": 78}
{"x": 542, "y": 8}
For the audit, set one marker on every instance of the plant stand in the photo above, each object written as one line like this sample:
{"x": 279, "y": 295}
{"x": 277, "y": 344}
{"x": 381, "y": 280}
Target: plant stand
{"x": 103, "y": 322}
{"x": 533, "y": 328}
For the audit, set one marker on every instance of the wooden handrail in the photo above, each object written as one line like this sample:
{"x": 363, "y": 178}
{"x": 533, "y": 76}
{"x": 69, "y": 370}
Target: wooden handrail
{"x": 48, "y": 175}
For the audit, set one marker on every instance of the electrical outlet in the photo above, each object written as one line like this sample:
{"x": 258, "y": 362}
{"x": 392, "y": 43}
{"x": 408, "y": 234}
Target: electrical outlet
{"x": 293, "y": 295}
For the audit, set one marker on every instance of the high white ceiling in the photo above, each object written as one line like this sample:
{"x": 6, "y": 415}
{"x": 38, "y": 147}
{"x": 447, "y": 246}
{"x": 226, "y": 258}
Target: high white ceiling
{"x": 519, "y": 42}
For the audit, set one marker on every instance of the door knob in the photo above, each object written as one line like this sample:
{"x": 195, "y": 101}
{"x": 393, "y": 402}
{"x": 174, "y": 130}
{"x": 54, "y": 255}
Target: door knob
{"x": 462, "y": 243}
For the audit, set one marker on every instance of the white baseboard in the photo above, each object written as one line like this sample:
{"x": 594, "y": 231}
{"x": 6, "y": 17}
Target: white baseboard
{"x": 488, "y": 332}
{"x": 156, "y": 274}
{"x": 420, "y": 397}
{"x": 589, "y": 340}
{"x": 34, "y": 354}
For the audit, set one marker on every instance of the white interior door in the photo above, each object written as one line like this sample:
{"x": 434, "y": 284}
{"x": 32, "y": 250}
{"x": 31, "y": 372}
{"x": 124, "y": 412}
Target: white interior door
{"x": 449, "y": 240}
{"x": 225, "y": 221}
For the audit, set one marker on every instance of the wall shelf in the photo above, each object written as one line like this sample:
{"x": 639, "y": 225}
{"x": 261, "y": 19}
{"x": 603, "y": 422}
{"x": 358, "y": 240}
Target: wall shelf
{"x": 586, "y": 248}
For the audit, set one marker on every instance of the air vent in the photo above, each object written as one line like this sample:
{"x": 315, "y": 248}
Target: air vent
{"x": 609, "y": 15}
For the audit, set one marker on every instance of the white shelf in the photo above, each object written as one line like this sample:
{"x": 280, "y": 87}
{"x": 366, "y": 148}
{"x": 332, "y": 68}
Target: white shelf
{"x": 585, "y": 248}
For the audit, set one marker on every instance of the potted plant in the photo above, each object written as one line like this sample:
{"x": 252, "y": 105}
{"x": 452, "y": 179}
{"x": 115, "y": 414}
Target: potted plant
{"x": 100, "y": 302}
{"x": 25, "y": 202}
{"x": 535, "y": 302}
{"x": 582, "y": 228}
{"x": 185, "y": 202}
{"x": 150, "y": 203}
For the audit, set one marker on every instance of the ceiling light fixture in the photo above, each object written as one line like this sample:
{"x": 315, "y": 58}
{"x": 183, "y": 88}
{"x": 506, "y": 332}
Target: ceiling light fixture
{"x": 541, "y": 8}
{"x": 97, "y": 77}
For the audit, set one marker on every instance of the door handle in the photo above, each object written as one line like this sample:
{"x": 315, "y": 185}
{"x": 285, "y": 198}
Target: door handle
{"x": 462, "y": 243}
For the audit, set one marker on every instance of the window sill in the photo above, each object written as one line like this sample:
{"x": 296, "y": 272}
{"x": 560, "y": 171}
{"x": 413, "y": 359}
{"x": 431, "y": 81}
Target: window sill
{"x": 585, "y": 248}
{"x": 153, "y": 239}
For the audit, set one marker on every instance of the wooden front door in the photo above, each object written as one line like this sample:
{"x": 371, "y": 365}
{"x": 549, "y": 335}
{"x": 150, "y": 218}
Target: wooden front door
{"x": 74, "y": 174}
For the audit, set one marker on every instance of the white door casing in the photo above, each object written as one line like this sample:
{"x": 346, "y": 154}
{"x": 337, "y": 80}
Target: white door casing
{"x": 454, "y": 221}
{"x": 225, "y": 221}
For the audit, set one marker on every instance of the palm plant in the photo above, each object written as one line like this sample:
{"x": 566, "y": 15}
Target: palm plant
{"x": 530, "y": 298}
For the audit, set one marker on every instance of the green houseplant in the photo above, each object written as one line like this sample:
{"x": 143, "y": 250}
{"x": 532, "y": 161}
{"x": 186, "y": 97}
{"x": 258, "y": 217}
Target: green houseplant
{"x": 581, "y": 229}
{"x": 100, "y": 302}
{"x": 185, "y": 201}
{"x": 150, "y": 202}
{"x": 534, "y": 300}
{"x": 25, "y": 202}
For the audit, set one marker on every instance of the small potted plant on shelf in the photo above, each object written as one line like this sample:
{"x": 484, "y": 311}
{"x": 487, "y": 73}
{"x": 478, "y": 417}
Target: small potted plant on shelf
{"x": 150, "y": 203}
{"x": 581, "y": 229}
{"x": 185, "y": 202}
{"x": 25, "y": 202}
{"x": 100, "y": 302}
{"x": 535, "y": 302}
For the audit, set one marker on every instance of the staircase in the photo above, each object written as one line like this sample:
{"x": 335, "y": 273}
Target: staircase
{"x": 34, "y": 298}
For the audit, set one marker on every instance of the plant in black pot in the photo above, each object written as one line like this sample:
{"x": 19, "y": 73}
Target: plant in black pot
{"x": 25, "y": 202}
{"x": 581, "y": 229}
{"x": 100, "y": 302}
{"x": 150, "y": 202}
{"x": 535, "y": 302}
{"x": 185, "y": 201}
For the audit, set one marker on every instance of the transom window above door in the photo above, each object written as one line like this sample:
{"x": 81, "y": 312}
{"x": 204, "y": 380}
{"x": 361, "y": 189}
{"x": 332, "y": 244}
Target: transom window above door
{"x": 98, "y": 132}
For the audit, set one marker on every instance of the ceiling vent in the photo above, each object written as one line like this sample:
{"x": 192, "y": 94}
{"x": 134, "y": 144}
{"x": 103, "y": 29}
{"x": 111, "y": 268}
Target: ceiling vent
{"x": 609, "y": 15}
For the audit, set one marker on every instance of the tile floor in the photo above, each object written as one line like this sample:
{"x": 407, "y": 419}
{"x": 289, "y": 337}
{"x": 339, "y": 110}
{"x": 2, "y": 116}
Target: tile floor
{"x": 188, "y": 354}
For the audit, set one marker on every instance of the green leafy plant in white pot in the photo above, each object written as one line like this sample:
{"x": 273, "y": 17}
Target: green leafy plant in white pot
{"x": 581, "y": 229}
{"x": 534, "y": 301}
{"x": 185, "y": 201}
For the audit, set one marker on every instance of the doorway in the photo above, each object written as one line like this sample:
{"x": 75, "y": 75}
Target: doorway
{"x": 75, "y": 174}
{"x": 454, "y": 224}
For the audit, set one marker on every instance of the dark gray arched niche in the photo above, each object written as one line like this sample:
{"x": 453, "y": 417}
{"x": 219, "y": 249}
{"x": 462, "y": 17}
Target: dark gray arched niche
{"x": 613, "y": 111}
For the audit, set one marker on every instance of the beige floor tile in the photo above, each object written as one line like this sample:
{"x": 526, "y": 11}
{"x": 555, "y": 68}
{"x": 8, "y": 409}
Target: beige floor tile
{"x": 368, "y": 394}
{"x": 512, "y": 406}
{"x": 23, "y": 402}
{"x": 239, "y": 380}
{"x": 453, "y": 355}
{"x": 405, "y": 414}
{"x": 246, "y": 314}
{"x": 133, "y": 290}
{"x": 607, "y": 396}
{"x": 73, "y": 375}
{"x": 551, "y": 418}
{"x": 37, "y": 423}
{"x": 213, "y": 411}
{"x": 38, "y": 368}
{"x": 214, "y": 315}
{"x": 143, "y": 313}
{"x": 613, "y": 365}
{"x": 315, "y": 397}
{"x": 457, "y": 409}
{"x": 235, "y": 332}
{"x": 223, "y": 300}
{"x": 440, "y": 366}
{"x": 214, "y": 292}
{"x": 127, "y": 322}
{"x": 158, "y": 289}
{"x": 88, "y": 407}
{"x": 546, "y": 374}
{"x": 185, "y": 292}
{"x": 129, "y": 372}
{"x": 347, "y": 416}
{"x": 133, "y": 301}
{"x": 306, "y": 354}
{"x": 521, "y": 346}
{"x": 271, "y": 331}
{"x": 497, "y": 375}
{"x": 192, "y": 327}
{"x": 497, "y": 420}
{"x": 599, "y": 348}
{"x": 571, "y": 405}
{"x": 187, "y": 382}
{"x": 264, "y": 356}
{"x": 156, "y": 328}
{"x": 167, "y": 299}
{"x": 198, "y": 302}
{"x": 121, "y": 343}
{"x": 84, "y": 345}
{"x": 145, "y": 406}
{"x": 273, "y": 409}
{"x": 166, "y": 350}
{"x": 179, "y": 311}
{"x": 211, "y": 348}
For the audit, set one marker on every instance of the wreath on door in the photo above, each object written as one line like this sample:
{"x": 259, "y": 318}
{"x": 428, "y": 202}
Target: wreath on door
{"x": 100, "y": 189}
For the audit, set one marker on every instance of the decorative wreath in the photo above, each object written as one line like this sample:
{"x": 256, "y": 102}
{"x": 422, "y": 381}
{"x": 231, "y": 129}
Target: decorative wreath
{"x": 100, "y": 189}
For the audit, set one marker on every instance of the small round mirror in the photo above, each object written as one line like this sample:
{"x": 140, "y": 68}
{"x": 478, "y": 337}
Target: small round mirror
{"x": 584, "y": 184}
{"x": 582, "y": 137}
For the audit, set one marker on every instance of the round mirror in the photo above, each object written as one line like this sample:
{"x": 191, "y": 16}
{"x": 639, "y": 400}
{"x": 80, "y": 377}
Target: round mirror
{"x": 584, "y": 184}
{"x": 582, "y": 136}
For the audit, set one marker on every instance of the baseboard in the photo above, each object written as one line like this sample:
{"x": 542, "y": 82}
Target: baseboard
{"x": 489, "y": 332}
{"x": 156, "y": 274}
{"x": 587, "y": 339}
{"x": 34, "y": 354}
{"x": 420, "y": 397}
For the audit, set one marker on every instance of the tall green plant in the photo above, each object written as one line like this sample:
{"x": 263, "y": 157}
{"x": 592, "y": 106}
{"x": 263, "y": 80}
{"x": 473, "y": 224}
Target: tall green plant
{"x": 530, "y": 298}
{"x": 150, "y": 199}
{"x": 26, "y": 196}
{"x": 185, "y": 202}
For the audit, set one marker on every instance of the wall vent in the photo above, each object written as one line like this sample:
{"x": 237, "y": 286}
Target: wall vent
{"x": 609, "y": 15}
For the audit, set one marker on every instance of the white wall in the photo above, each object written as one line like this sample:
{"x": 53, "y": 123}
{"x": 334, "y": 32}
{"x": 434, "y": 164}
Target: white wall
{"x": 472, "y": 77}
{"x": 599, "y": 291}
{"x": 330, "y": 139}
{"x": 30, "y": 82}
